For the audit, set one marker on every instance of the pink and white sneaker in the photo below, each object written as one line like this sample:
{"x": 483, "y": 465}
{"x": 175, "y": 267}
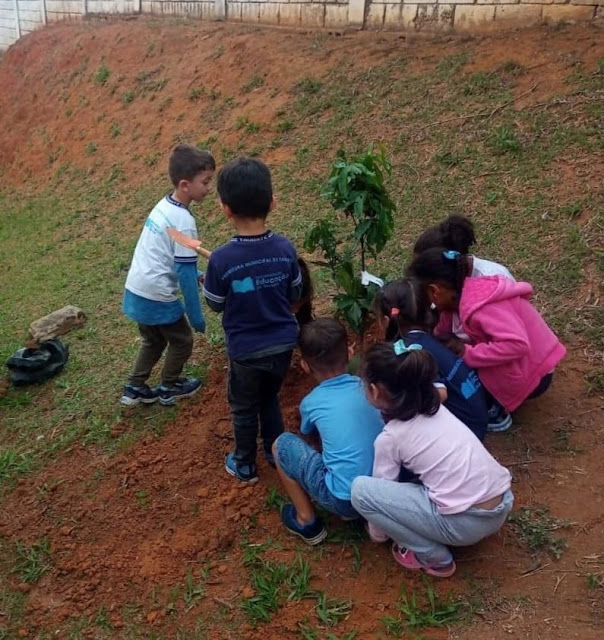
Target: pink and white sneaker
{"x": 406, "y": 558}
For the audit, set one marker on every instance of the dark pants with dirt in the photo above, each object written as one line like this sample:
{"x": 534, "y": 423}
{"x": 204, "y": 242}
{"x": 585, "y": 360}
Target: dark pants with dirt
{"x": 178, "y": 337}
{"x": 253, "y": 393}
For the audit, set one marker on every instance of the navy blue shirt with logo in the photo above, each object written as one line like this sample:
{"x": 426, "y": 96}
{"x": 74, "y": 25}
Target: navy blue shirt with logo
{"x": 253, "y": 277}
{"x": 466, "y": 398}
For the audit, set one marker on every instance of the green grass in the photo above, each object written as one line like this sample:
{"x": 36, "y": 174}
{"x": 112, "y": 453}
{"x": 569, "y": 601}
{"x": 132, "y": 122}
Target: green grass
{"x": 81, "y": 229}
{"x": 425, "y": 610}
{"x": 32, "y": 562}
{"x": 536, "y": 528}
{"x": 101, "y": 75}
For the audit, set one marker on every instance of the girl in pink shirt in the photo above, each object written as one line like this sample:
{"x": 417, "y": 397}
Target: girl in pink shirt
{"x": 464, "y": 495}
{"x": 511, "y": 347}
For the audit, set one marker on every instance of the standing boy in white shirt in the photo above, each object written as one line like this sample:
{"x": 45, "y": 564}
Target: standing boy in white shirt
{"x": 159, "y": 268}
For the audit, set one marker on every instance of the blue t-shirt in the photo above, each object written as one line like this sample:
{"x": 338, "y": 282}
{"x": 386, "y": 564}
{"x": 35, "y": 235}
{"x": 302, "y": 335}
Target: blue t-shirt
{"x": 253, "y": 277}
{"x": 348, "y": 425}
{"x": 466, "y": 399}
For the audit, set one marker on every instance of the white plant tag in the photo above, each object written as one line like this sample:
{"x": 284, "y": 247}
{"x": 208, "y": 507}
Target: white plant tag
{"x": 367, "y": 278}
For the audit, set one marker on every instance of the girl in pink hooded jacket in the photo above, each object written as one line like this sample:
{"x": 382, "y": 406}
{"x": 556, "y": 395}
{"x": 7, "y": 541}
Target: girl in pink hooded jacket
{"x": 511, "y": 347}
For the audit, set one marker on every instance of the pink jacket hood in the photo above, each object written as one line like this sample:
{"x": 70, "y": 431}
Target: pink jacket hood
{"x": 511, "y": 347}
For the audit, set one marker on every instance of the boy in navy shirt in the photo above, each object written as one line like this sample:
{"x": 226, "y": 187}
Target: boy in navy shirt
{"x": 253, "y": 280}
{"x": 346, "y": 422}
{"x": 403, "y": 312}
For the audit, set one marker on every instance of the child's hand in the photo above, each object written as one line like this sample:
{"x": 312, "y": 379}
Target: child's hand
{"x": 457, "y": 346}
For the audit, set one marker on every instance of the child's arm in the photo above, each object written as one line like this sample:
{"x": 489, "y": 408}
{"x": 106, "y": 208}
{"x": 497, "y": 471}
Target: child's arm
{"x": 187, "y": 279}
{"x": 506, "y": 336}
{"x": 213, "y": 288}
{"x": 307, "y": 425}
{"x": 295, "y": 288}
{"x": 386, "y": 465}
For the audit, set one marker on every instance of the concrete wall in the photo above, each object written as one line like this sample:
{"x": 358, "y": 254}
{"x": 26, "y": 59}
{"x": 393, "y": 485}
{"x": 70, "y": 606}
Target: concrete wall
{"x": 18, "y": 17}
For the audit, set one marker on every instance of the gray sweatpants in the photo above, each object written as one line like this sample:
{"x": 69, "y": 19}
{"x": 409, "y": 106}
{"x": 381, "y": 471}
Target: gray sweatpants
{"x": 405, "y": 512}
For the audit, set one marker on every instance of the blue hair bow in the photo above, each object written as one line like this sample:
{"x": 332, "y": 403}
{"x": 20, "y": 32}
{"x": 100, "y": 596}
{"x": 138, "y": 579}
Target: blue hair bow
{"x": 451, "y": 255}
{"x": 400, "y": 347}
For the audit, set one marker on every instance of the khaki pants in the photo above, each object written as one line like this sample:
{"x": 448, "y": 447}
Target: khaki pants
{"x": 178, "y": 337}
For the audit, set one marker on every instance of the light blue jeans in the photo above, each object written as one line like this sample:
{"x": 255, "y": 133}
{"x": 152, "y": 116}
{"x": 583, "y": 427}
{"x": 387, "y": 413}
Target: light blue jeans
{"x": 405, "y": 512}
{"x": 303, "y": 464}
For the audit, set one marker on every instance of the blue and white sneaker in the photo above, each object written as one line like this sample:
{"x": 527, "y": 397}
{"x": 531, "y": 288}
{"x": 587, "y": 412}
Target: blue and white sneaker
{"x": 134, "y": 395}
{"x": 182, "y": 388}
{"x": 312, "y": 533}
{"x": 499, "y": 419}
{"x": 245, "y": 473}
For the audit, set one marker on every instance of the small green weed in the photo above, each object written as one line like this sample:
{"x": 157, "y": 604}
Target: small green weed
{"x": 102, "y": 620}
{"x": 274, "y": 499}
{"x": 595, "y": 581}
{"x": 243, "y": 123}
{"x": 101, "y": 75}
{"x": 115, "y": 130}
{"x": 91, "y": 148}
{"x": 195, "y": 94}
{"x": 128, "y": 96}
{"x": 13, "y": 463}
{"x": 453, "y": 64}
{"x": 307, "y": 85}
{"x": 254, "y": 83}
{"x": 480, "y": 83}
{"x": 274, "y": 583}
{"x": 427, "y": 611}
{"x": 504, "y": 140}
{"x": 142, "y": 498}
{"x": 285, "y": 125}
{"x": 595, "y": 382}
{"x": 331, "y": 611}
{"x": 32, "y": 562}
{"x": 535, "y": 527}
{"x": 193, "y": 591}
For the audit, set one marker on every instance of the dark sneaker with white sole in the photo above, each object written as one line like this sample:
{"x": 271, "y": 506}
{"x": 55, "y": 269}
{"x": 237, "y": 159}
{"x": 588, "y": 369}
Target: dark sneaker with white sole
{"x": 312, "y": 533}
{"x": 135, "y": 395}
{"x": 182, "y": 388}
{"x": 499, "y": 419}
{"x": 243, "y": 472}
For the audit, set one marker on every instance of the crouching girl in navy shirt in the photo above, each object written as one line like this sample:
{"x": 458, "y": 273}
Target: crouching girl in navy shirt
{"x": 464, "y": 495}
{"x": 403, "y": 312}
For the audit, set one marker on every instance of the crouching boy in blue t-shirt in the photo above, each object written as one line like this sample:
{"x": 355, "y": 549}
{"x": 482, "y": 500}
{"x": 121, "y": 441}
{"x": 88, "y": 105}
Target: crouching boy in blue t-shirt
{"x": 253, "y": 280}
{"x": 347, "y": 424}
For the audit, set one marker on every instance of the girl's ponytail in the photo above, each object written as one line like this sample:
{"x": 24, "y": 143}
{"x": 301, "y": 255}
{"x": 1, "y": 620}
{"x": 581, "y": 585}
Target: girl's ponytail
{"x": 405, "y": 304}
{"x": 446, "y": 266}
{"x": 456, "y": 233}
{"x": 407, "y": 376}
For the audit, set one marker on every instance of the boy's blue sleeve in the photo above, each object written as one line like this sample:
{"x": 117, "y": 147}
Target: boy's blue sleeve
{"x": 214, "y": 287}
{"x": 307, "y": 426}
{"x": 187, "y": 279}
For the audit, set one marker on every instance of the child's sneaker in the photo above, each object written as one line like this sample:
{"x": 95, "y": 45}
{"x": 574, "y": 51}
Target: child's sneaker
{"x": 182, "y": 388}
{"x": 312, "y": 533}
{"x": 243, "y": 472}
{"x": 134, "y": 395}
{"x": 406, "y": 558}
{"x": 499, "y": 419}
